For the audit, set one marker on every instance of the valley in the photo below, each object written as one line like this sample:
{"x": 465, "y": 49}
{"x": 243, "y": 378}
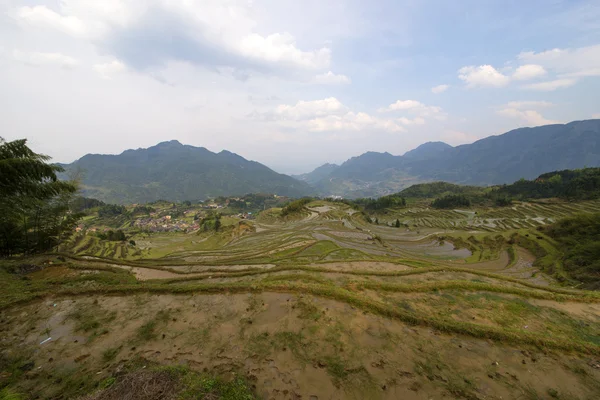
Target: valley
{"x": 322, "y": 303}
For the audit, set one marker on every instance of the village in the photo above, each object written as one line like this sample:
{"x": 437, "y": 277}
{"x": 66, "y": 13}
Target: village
{"x": 171, "y": 217}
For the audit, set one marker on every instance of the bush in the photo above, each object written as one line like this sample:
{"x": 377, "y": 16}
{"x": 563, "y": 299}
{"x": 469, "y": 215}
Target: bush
{"x": 451, "y": 201}
{"x": 295, "y": 206}
{"x": 111, "y": 210}
{"x": 579, "y": 240}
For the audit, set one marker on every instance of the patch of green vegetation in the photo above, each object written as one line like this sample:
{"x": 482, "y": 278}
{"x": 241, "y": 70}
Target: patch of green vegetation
{"x": 10, "y": 394}
{"x": 451, "y": 201}
{"x": 579, "y": 242}
{"x": 307, "y": 309}
{"x": 91, "y": 319}
{"x": 321, "y": 248}
{"x": 147, "y": 331}
{"x": 110, "y": 354}
{"x": 295, "y": 206}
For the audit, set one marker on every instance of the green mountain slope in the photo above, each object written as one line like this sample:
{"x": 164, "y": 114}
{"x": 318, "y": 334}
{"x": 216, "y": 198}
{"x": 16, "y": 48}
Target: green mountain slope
{"x": 520, "y": 153}
{"x": 177, "y": 172}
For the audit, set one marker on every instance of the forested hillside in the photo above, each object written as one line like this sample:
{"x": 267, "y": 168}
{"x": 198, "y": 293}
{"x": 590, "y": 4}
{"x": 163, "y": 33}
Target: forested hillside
{"x": 177, "y": 172}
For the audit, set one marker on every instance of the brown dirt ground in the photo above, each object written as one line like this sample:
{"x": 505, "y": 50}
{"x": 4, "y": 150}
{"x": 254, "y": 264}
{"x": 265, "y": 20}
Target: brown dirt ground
{"x": 289, "y": 347}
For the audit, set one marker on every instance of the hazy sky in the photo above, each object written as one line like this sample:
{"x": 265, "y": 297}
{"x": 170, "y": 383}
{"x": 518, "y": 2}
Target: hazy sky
{"x": 292, "y": 84}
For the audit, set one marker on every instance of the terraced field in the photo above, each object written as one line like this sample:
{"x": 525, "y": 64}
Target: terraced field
{"x": 318, "y": 305}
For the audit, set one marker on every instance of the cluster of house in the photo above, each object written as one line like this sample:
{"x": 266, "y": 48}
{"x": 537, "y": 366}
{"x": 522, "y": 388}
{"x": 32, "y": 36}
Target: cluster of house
{"x": 246, "y": 215}
{"x": 211, "y": 206}
{"x": 165, "y": 224}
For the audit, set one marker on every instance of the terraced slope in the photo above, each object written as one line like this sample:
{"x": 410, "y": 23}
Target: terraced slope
{"x": 317, "y": 305}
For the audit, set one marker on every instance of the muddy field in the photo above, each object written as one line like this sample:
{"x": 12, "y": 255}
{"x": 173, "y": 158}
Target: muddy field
{"x": 321, "y": 306}
{"x": 288, "y": 346}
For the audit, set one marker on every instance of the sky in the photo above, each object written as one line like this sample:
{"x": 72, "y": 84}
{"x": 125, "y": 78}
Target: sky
{"x": 291, "y": 84}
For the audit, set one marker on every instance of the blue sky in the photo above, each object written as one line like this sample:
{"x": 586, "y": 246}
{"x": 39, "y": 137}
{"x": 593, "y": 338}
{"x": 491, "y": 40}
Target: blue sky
{"x": 292, "y": 84}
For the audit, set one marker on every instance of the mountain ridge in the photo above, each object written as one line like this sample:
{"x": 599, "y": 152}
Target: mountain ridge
{"x": 497, "y": 159}
{"x": 176, "y": 172}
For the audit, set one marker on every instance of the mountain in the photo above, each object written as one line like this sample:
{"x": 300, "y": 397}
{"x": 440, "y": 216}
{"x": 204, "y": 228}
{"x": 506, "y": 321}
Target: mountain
{"x": 317, "y": 174}
{"x": 427, "y": 151}
{"x": 520, "y": 153}
{"x": 176, "y": 172}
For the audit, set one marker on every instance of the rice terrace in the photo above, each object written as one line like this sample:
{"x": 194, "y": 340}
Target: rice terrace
{"x": 310, "y": 299}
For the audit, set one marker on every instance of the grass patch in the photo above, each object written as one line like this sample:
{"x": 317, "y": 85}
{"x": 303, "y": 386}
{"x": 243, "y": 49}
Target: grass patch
{"x": 147, "y": 331}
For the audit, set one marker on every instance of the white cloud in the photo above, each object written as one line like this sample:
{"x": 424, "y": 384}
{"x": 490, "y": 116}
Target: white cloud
{"x": 482, "y": 76}
{"x": 331, "y": 115}
{"x": 44, "y": 17}
{"x": 352, "y": 122}
{"x": 566, "y": 60}
{"x": 596, "y": 116}
{"x": 403, "y": 105}
{"x": 414, "y": 121}
{"x": 330, "y": 78}
{"x": 107, "y": 70}
{"x": 568, "y": 63}
{"x": 529, "y": 71}
{"x": 549, "y": 86}
{"x": 212, "y": 32}
{"x": 415, "y": 107}
{"x": 529, "y": 104}
{"x": 525, "y": 112}
{"x": 530, "y": 117}
{"x": 37, "y": 59}
{"x": 439, "y": 89}
{"x": 310, "y": 109}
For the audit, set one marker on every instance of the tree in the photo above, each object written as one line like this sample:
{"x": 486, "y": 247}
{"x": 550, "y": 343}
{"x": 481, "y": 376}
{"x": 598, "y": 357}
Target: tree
{"x": 34, "y": 203}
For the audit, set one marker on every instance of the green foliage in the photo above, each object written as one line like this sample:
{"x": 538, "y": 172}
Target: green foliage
{"x": 80, "y": 204}
{"x": 579, "y": 184}
{"x": 143, "y": 210}
{"x": 113, "y": 236}
{"x": 212, "y": 222}
{"x": 503, "y": 201}
{"x": 34, "y": 205}
{"x": 579, "y": 240}
{"x": 111, "y": 210}
{"x": 451, "y": 201}
{"x": 295, "y": 206}
{"x": 9, "y": 394}
{"x": 391, "y": 201}
{"x": 437, "y": 189}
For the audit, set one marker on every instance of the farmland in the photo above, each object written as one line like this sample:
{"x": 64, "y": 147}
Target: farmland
{"x": 322, "y": 302}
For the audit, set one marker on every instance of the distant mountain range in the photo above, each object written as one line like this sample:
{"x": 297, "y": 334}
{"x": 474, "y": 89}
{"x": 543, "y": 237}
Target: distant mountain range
{"x": 176, "y": 172}
{"x": 520, "y": 153}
